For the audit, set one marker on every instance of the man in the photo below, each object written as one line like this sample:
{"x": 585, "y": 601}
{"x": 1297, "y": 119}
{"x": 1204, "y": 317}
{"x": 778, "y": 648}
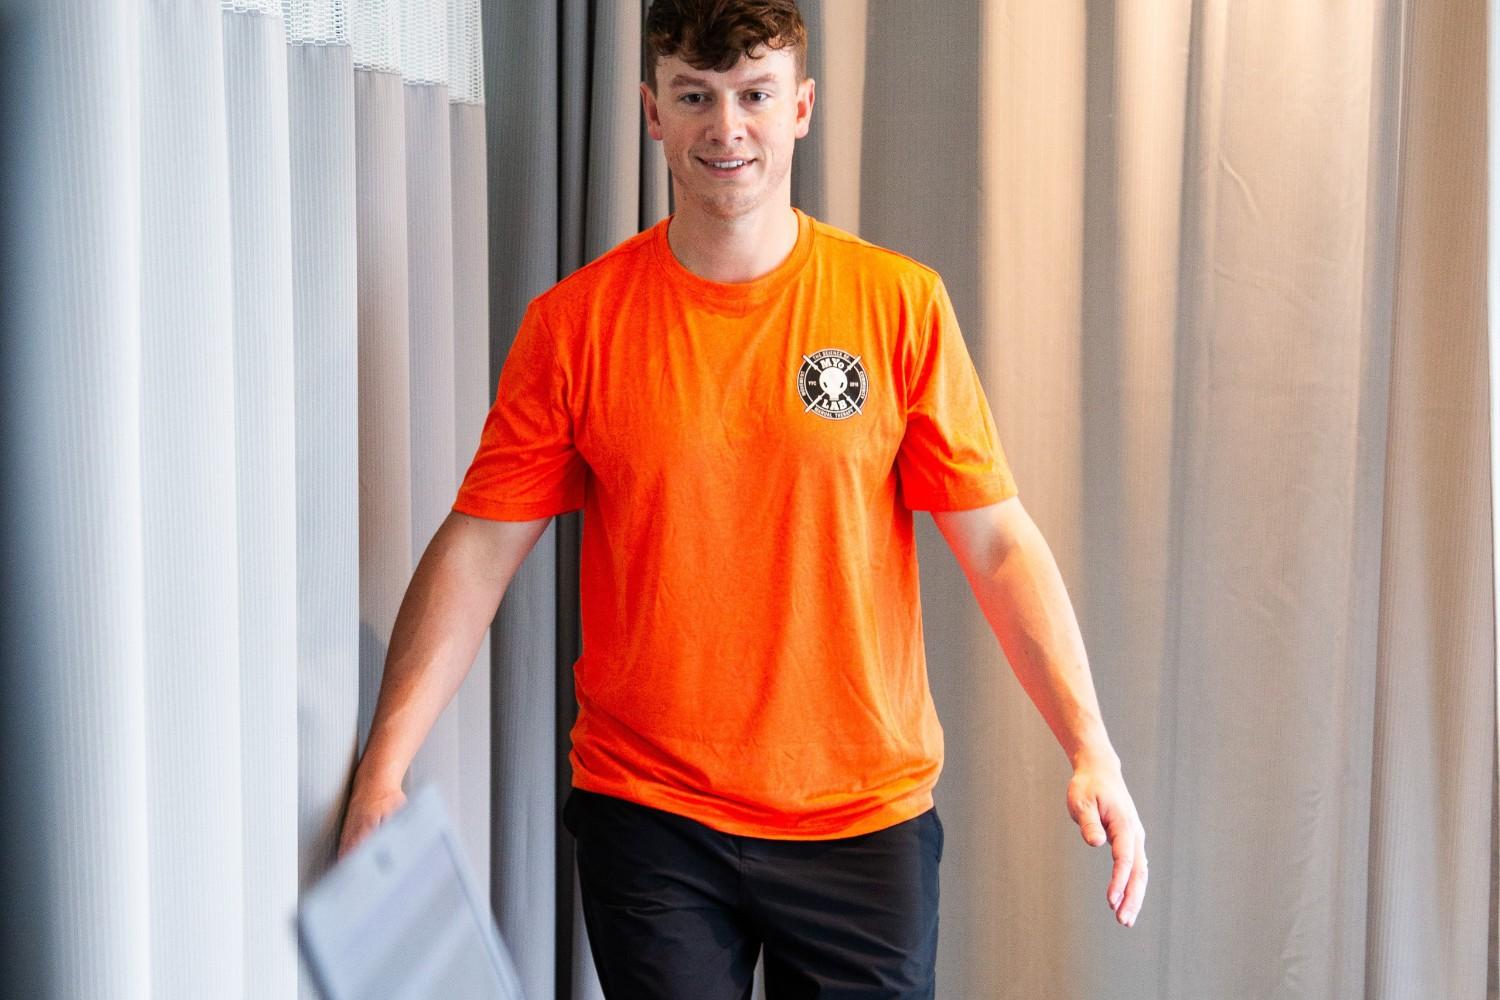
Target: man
{"x": 748, "y": 404}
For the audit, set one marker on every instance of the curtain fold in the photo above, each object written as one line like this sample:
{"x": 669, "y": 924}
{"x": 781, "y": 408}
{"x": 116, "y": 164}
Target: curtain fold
{"x": 471, "y": 401}
{"x": 429, "y": 200}
{"x": 75, "y": 664}
{"x": 189, "y": 506}
{"x": 521, "y": 122}
{"x": 265, "y": 418}
{"x": 324, "y": 255}
{"x": 1492, "y": 316}
{"x": 1433, "y": 773}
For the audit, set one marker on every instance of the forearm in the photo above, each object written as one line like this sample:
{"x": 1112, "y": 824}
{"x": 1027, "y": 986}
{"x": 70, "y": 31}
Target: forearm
{"x": 454, "y": 592}
{"x": 1021, "y": 592}
{"x": 1026, "y": 604}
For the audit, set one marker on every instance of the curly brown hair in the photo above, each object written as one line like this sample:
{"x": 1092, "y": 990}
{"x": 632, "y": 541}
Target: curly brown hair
{"x": 714, "y": 34}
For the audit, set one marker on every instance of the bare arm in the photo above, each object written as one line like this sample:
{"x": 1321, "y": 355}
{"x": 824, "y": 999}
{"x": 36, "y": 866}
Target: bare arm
{"x": 1021, "y": 592}
{"x": 449, "y": 603}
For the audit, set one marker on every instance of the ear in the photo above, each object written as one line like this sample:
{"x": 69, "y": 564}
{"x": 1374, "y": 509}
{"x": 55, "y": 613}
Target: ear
{"x": 653, "y": 115}
{"x": 805, "y": 97}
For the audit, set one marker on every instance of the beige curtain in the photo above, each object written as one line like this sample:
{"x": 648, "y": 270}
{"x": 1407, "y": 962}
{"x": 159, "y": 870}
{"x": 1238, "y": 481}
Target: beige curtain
{"x": 1221, "y": 265}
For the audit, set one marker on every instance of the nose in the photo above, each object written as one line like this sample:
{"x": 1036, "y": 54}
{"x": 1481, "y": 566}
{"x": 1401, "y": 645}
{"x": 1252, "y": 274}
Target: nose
{"x": 726, "y": 126}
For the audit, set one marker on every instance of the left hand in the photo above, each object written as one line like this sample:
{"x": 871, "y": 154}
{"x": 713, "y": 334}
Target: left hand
{"x": 1101, "y": 805}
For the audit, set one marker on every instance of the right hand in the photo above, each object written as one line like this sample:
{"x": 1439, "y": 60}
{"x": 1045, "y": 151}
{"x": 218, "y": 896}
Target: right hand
{"x": 368, "y": 808}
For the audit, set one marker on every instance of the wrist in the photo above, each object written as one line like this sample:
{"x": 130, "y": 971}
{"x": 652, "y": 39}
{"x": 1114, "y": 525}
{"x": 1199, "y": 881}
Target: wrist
{"x": 377, "y": 774}
{"x": 1095, "y": 755}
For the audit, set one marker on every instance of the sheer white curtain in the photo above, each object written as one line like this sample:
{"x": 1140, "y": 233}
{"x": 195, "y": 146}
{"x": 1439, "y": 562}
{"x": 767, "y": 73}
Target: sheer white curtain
{"x": 251, "y": 359}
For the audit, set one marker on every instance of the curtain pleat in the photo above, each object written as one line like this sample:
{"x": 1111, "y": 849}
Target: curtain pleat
{"x": 1280, "y": 375}
{"x": 521, "y": 114}
{"x": 429, "y": 201}
{"x": 255, "y": 97}
{"x": 320, "y": 89}
{"x": 612, "y": 210}
{"x": 828, "y": 169}
{"x": 324, "y": 256}
{"x": 385, "y": 485}
{"x": 1433, "y": 768}
{"x": 1492, "y": 320}
{"x": 471, "y": 402}
{"x": 189, "y": 507}
{"x": 77, "y": 904}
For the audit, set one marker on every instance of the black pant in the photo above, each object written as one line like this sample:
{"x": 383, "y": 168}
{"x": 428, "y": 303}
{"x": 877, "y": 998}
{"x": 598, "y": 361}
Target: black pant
{"x": 678, "y": 911}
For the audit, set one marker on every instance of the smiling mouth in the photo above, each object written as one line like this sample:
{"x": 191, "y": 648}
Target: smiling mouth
{"x": 726, "y": 167}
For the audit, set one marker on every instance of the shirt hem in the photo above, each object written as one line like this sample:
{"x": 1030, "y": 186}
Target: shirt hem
{"x": 906, "y": 807}
{"x": 965, "y": 499}
{"x": 505, "y": 510}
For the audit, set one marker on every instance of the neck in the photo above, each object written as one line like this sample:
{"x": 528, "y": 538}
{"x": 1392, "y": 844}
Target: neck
{"x": 736, "y": 249}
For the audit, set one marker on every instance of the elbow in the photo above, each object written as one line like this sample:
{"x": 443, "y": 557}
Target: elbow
{"x": 983, "y": 539}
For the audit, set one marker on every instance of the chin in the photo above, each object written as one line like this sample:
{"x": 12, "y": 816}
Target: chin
{"x": 736, "y": 210}
{"x": 726, "y": 208}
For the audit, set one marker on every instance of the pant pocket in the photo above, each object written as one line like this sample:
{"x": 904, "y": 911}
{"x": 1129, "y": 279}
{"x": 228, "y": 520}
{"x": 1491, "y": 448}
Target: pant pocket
{"x": 937, "y": 826}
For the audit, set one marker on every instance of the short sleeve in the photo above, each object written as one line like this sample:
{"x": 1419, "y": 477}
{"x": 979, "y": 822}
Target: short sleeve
{"x": 950, "y": 456}
{"x": 527, "y": 466}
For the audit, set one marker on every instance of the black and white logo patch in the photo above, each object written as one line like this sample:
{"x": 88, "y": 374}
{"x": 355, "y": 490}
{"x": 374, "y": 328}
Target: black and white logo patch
{"x": 832, "y": 384}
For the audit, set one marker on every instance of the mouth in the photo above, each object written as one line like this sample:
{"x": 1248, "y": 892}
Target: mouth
{"x": 725, "y": 167}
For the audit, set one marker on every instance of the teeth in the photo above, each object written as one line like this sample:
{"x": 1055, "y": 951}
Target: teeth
{"x": 727, "y": 164}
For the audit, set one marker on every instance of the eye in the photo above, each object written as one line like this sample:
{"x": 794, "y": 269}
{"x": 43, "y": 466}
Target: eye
{"x": 761, "y": 94}
{"x": 687, "y": 98}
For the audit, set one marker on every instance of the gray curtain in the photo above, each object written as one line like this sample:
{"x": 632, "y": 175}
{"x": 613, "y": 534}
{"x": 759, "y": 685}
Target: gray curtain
{"x": 1220, "y": 266}
{"x": 572, "y": 173}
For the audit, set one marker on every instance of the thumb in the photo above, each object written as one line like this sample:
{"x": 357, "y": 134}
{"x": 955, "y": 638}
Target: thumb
{"x": 1089, "y": 825}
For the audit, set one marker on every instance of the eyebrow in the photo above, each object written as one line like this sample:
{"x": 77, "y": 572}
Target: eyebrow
{"x": 681, "y": 80}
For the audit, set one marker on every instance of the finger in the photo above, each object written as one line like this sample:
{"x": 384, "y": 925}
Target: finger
{"x": 1085, "y": 812}
{"x": 1090, "y": 826}
{"x": 1123, "y": 847}
{"x": 352, "y": 837}
{"x": 1135, "y": 892}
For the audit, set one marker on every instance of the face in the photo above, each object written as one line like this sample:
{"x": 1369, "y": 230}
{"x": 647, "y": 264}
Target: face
{"x": 704, "y": 120}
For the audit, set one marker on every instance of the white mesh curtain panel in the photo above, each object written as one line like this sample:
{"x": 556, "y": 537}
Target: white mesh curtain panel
{"x": 233, "y": 225}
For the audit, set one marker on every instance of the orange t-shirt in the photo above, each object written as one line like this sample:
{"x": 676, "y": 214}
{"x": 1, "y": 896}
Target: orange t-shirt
{"x": 747, "y": 457}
